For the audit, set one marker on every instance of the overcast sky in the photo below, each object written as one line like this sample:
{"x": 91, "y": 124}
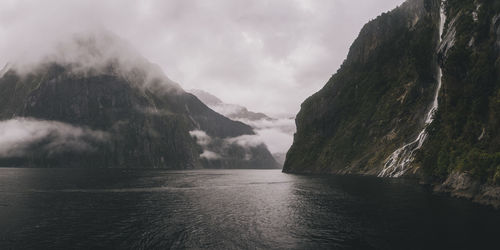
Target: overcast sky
{"x": 268, "y": 55}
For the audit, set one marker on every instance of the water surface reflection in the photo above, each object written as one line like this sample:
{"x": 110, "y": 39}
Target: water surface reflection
{"x": 217, "y": 209}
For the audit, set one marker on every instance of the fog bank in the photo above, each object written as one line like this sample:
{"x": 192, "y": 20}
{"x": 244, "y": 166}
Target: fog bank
{"x": 19, "y": 135}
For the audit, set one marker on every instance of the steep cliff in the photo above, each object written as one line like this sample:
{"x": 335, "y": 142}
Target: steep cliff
{"x": 143, "y": 118}
{"x": 377, "y": 114}
{"x": 377, "y": 100}
{"x": 464, "y": 140}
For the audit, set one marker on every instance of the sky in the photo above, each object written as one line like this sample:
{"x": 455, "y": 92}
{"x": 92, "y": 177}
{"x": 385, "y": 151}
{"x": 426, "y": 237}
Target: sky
{"x": 267, "y": 55}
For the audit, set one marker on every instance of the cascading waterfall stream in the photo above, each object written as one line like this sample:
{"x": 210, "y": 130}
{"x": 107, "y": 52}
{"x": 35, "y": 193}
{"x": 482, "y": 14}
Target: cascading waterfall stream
{"x": 397, "y": 164}
{"x": 4, "y": 69}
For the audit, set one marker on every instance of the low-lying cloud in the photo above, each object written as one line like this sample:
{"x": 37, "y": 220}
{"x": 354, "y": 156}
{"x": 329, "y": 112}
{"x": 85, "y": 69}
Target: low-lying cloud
{"x": 21, "y": 135}
{"x": 277, "y": 134}
{"x": 246, "y": 141}
{"x": 216, "y": 148}
{"x": 209, "y": 155}
{"x": 204, "y": 141}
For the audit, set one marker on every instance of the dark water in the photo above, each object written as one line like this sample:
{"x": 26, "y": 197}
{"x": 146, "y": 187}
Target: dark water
{"x": 219, "y": 209}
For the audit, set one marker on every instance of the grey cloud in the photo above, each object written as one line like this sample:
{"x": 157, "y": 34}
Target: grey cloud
{"x": 265, "y": 55}
{"x": 276, "y": 134}
{"x": 19, "y": 135}
{"x": 204, "y": 141}
{"x": 216, "y": 148}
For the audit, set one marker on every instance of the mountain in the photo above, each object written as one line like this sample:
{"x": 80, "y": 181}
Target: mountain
{"x": 100, "y": 104}
{"x": 233, "y": 111}
{"x": 378, "y": 98}
{"x": 464, "y": 141}
{"x": 276, "y": 133}
{"x": 418, "y": 95}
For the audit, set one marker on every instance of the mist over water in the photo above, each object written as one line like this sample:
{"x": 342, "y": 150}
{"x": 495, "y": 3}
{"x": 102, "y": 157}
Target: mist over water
{"x": 229, "y": 209}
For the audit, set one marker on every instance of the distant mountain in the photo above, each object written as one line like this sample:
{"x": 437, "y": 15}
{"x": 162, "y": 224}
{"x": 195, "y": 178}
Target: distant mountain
{"x": 232, "y": 111}
{"x": 104, "y": 105}
{"x": 418, "y": 95}
{"x": 275, "y": 133}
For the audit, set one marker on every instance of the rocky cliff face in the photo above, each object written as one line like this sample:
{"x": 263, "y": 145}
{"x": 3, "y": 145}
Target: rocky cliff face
{"x": 377, "y": 100}
{"x": 143, "y": 119}
{"x": 465, "y": 139}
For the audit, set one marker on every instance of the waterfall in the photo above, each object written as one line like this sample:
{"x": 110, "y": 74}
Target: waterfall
{"x": 4, "y": 70}
{"x": 397, "y": 163}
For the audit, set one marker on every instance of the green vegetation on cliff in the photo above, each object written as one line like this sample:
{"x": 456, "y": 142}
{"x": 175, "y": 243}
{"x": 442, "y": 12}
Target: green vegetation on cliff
{"x": 376, "y": 101}
{"x": 465, "y": 136}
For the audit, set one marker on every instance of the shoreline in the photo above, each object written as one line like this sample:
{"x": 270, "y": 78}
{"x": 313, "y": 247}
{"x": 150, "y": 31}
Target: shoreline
{"x": 457, "y": 185}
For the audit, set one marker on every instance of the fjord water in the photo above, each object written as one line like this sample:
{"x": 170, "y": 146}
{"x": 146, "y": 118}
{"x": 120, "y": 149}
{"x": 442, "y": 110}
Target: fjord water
{"x": 218, "y": 209}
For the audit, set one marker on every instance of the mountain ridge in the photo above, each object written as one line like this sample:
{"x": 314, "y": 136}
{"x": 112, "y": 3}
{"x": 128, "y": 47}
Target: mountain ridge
{"x": 147, "y": 117}
{"x": 233, "y": 111}
{"x": 275, "y": 133}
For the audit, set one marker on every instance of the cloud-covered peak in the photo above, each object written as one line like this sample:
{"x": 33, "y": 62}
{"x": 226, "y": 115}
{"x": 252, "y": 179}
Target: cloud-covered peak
{"x": 97, "y": 52}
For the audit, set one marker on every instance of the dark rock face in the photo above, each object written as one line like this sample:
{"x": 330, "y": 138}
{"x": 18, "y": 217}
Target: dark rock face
{"x": 377, "y": 100}
{"x": 465, "y": 137}
{"x": 146, "y": 125}
{"x": 463, "y": 185}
